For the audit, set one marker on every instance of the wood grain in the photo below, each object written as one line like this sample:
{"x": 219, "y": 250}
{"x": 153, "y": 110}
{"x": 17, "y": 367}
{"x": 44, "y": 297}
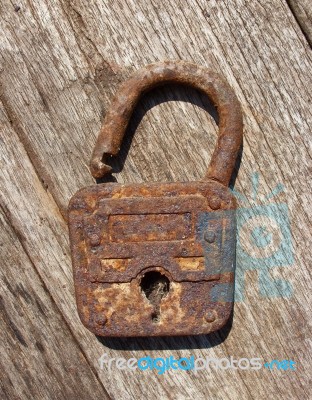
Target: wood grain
{"x": 302, "y": 11}
{"x": 60, "y": 64}
{"x": 40, "y": 355}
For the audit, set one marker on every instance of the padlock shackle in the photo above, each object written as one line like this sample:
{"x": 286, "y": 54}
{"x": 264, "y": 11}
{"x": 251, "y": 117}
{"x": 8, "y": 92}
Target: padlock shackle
{"x": 179, "y": 72}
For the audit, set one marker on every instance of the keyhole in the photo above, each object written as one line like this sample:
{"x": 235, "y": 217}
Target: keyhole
{"x": 155, "y": 286}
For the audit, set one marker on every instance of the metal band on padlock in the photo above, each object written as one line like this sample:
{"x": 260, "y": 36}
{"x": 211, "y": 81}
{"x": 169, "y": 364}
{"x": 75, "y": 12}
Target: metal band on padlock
{"x": 209, "y": 82}
{"x": 158, "y": 259}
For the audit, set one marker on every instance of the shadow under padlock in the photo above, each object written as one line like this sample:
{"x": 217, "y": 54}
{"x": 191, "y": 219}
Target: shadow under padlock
{"x": 158, "y": 259}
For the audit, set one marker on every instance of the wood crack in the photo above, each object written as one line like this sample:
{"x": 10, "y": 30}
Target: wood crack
{"x": 305, "y": 26}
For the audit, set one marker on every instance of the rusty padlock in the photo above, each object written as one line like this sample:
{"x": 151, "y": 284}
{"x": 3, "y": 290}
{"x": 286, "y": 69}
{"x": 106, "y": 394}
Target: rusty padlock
{"x": 158, "y": 259}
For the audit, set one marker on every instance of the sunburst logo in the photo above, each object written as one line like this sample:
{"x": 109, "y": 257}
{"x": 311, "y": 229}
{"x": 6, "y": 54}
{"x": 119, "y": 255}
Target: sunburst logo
{"x": 263, "y": 240}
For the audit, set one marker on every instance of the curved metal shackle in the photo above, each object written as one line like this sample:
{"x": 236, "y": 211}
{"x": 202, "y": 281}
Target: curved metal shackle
{"x": 180, "y": 72}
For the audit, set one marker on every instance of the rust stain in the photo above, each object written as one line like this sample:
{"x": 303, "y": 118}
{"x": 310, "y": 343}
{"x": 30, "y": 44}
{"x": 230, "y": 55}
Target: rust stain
{"x": 191, "y": 263}
{"x": 116, "y": 263}
{"x": 149, "y": 227}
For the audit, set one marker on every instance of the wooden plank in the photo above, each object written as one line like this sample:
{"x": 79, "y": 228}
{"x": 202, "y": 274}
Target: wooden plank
{"x": 60, "y": 66}
{"x": 39, "y": 354}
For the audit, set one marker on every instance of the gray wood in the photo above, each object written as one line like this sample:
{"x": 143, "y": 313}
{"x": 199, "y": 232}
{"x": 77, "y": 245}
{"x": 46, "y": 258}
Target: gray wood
{"x": 60, "y": 64}
{"x": 302, "y": 10}
{"x": 40, "y": 357}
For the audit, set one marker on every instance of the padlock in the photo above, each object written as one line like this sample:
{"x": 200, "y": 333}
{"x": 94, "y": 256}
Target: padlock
{"x": 158, "y": 259}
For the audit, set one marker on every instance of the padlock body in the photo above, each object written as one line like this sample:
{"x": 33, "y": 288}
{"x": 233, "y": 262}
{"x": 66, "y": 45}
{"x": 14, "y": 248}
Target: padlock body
{"x": 155, "y": 259}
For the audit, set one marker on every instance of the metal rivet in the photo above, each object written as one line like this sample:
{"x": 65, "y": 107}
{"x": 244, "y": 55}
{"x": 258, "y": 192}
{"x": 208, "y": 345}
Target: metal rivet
{"x": 215, "y": 203}
{"x": 209, "y": 236}
{"x": 210, "y": 316}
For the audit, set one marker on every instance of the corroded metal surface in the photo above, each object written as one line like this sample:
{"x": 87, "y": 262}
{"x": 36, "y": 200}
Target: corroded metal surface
{"x": 157, "y": 258}
{"x": 120, "y": 233}
{"x": 180, "y": 72}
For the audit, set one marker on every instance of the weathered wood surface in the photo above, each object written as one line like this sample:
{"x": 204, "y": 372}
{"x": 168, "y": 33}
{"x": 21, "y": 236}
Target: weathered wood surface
{"x": 302, "y": 10}
{"x": 60, "y": 64}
